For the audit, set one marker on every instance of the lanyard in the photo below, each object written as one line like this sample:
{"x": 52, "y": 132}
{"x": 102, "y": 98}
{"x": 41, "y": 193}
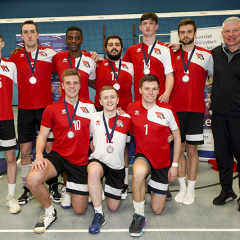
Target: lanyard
{"x": 74, "y": 113}
{"x": 119, "y": 69}
{"x": 144, "y": 55}
{"x": 35, "y": 60}
{"x": 114, "y": 125}
{"x": 189, "y": 60}
{"x": 78, "y": 64}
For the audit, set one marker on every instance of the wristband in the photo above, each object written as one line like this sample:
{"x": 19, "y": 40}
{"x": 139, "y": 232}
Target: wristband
{"x": 175, "y": 164}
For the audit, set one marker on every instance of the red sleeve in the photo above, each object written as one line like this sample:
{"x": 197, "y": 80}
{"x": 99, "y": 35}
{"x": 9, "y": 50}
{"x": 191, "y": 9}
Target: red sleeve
{"x": 54, "y": 69}
{"x": 127, "y": 57}
{"x": 47, "y": 120}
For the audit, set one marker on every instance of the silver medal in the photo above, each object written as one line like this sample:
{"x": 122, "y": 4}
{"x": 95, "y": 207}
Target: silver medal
{"x": 70, "y": 134}
{"x": 110, "y": 149}
{"x": 32, "y": 80}
{"x": 146, "y": 71}
{"x": 185, "y": 78}
{"x": 116, "y": 86}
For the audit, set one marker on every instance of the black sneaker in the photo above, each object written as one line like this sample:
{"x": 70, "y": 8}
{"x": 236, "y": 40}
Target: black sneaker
{"x": 45, "y": 221}
{"x": 224, "y": 197}
{"x": 98, "y": 221}
{"x": 238, "y": 201}
{"x": 169, "y": 196}
{"x": 124, "y": 192}
{"x": 54, "y": 193}
{"x": 26, "y": 196}
{"x": 136, "y": 226}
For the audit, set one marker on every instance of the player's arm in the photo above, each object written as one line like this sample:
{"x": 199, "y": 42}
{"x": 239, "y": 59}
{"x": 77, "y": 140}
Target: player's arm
{"x": 40, "y": 164}
{"x": 95, "y": 57}
{"x": 91, "y": 83}
{"x": 172, "y": 173}
{"x": 168, "y": 88}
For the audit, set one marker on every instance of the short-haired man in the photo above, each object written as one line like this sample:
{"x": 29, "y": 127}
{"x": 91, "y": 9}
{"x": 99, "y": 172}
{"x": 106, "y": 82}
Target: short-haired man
{"x": 8, "y": 76}
{"x": 69, "y": 119}
{"x": 78, "y": 59}
{"x": 226, "y": 107}
{"x": 109, "y": 132}
{"x": 34, "y": 64}
{"x": 151, "y": 56}
{"x": 192, "y": 64}
{"x": 152, "y": 122}
{"x": 119, "y": 74}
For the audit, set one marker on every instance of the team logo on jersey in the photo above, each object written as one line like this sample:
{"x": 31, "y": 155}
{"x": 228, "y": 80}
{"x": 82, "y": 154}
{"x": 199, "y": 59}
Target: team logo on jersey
{"x": 65, "y": 60}
{"x": 105, "y": 64}
{"x": 120, "y": 123}
{"x": 97, "y": 122}
{"x": 43, "y": 54}
{"x": 84, "y": 109}
{"x": 22, "y": 55}
{"x": 139, "y": 50}
{"x": 124, "y": 66}
{"x": 160, "y": 115}
{"x": 157, "y": 51}
{"x": 5, "y": 69}
{"x": 200, "y": 56}
{"x": 136, "y": 112}
{"x": 86, "y": 64}
{"x": 63, "y": 111}
{"x": 178, "y": 58}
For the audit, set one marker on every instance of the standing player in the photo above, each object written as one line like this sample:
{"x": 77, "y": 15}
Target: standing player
{"x": 77, "y": 59}
{"x": 119, "y": 74}
{"x": 8, "y": 75}
{"x": 69, "y": 119}
{"x": 151, "y": 56}
{"x": 109, "y": 132}
{"x": 152, "y": 122}
{"x": 193, "y": 63}
{"x": 34, "y": 65}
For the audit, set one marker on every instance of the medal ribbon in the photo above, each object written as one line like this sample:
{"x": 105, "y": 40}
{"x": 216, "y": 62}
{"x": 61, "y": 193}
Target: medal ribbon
{"x": 144, "y": 55}
{"x": 114, "y": 125}
{"x": 189, "y": 60}
{"x": 74, "y": 113}
{"x": 35, "y": 60}
{"x": 119, "y": 69}
{"x": 78, "y": 64}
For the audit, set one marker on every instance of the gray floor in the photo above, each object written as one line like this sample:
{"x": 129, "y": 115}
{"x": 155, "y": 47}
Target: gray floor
{"x": 202, "y": 220}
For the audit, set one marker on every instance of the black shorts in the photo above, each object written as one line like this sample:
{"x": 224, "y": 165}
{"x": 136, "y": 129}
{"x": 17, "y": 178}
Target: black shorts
{"x": 191, "y": 127}
{"x": 114, "y": 180}
{"x": 77, "y": 177}
{"x": 158, "y": 182}
{"x": 7, "y": 135}
{"x": 28, "y": 120}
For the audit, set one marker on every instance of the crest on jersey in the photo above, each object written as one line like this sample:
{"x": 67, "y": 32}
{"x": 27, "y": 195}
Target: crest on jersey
{"x": 84, "y": 109}
{"x": 97, "y": 122}
{"x": 120, "y": 123}
{"x": 200, "y": 56}
{"x": 86, "y": 64}
{"x": 5, "y": 69}
{"x": 136, "y": 112}
{"x": 43, "y": 54}
{"x": 106, "y": 64}
{"x": 139, "y": 50}
{"x": 157, "y": 51}
{"x": 65, "y": 60}
{"x": 160, "y": 115}
{"x": 124, "y": 66}
{"x": 22, "y": 55}
{"x": 178, "y": 58}
{"x": 63, "y": 111}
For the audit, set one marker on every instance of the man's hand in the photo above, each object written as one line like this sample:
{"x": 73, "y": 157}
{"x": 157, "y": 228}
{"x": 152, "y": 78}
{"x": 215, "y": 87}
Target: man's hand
{"x": 164, "y": 97}
{"x": 175, "y": 46}
{"x": 59, "y": 90}
{"x": 95, "y": 56}
{"x": 14, "y": 51}
{"x": 39, "y": 165}
{"x": 92, "y": 147}
{"x": 120, "y": 111}
{"x": 172, "y": 173}
{"x": 52, "y": 89}
{"x": 170, "y": 138}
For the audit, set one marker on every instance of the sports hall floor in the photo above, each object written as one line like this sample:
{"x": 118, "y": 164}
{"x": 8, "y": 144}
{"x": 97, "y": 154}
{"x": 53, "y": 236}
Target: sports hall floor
{"x": 202, "y": 220}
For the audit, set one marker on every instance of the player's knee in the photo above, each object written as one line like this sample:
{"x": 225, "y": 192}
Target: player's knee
{"x": 93, "y": 172}
{"x": 11, "y": 159}
{"x": 139, "y": 173}
{"x": 157, "y": 210}
{"x": 79, "y": 210}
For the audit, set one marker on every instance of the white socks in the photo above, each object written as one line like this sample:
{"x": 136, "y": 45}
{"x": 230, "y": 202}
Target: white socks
{"x": 98, "y": 209}
{"x": 11, "y": 189}
{"x": 50, "y": 209}
{"x": 25, "y": 170}
{"x": 185, "y": 195}
{"x": 126, "y": 176}
{"x": 183, "y": 189}
{"x": 139, "y": 207}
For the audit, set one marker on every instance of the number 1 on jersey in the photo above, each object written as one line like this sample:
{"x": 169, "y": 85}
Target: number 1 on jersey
{"x": 146, "y": 126}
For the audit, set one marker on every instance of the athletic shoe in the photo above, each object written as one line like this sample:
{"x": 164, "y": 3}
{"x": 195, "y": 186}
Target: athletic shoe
{"x": 45, "y": 221}
{"x": 124, "y": 191}
{"x": 66, "y": 199}
{"x": 238, "y": 201}
{"x": 13, "y": 205}
{"x": 224, "y": 197}
{"x": 169, "y": 196}
{"x": 98, "y": 221}
{"x": 136, "y": 226}
{"x": 54, "y": 193}
{"x": 26, "y": 196}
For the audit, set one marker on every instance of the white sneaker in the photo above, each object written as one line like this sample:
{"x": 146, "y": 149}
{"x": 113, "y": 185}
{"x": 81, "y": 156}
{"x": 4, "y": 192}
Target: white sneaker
{"x": 45, "y": 221}
{"x": 13, "y": 205}
{"x": 66, "y": 199}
